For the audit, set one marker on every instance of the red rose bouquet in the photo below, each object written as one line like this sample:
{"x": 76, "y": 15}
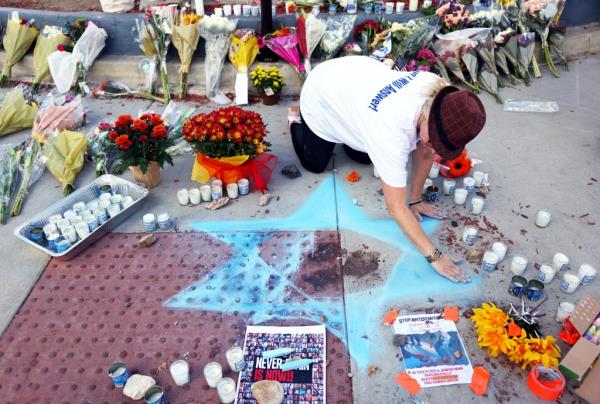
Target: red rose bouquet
{"x": 230, "y": 144}
{"x": 365, "y": 33}
{"x": 141, "y": 144}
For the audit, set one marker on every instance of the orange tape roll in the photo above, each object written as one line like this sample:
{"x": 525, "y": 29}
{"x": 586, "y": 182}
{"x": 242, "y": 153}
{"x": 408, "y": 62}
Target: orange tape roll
{"x": 546, "y": 383}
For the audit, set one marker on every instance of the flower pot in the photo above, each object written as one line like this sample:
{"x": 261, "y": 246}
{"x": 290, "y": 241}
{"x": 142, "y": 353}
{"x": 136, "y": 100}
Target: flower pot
{"x": 269, "y": 99}
{"x": 116, "y": 6}
{"x": 149, "y": 179}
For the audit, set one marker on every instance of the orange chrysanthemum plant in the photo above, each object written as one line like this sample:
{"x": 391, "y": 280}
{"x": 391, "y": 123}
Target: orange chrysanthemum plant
{"x": 458, "y": 167}
{"x": 491, "y": 325}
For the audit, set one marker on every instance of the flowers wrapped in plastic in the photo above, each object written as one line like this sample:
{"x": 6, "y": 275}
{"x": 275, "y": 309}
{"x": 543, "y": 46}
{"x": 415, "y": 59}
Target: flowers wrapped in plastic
{"x": 338, "y": 29}
{"x": 556, "y": 42}
{"x": 423, "y": 61}
{"x": 453, "y": 16}
{"x": 67, "y": 67}
{"x": 421, "y": 32}
{"x": 115, "y": 89}
{"x": 64, "y": 152}
{"x": 365, "y": 32}
{"x": 18, "y": 110}
{"x": 9, "y": 171}
{"x": 149, "y": 64}
{"x": 103, "y": 158}
{"x": 186, "y": 34}
{"x": 242, "y": 52}
{"x": 216, "y": 31}
{"x": 526, "y": 45}
{"x": 310, "y": 30}
{"x": 47, "y": 42}
{"x": 31, "y": 168}
{"x": 58, "y": 112}
{"x": 18, "y": 38}
{"x": 286, "y": 47}
{"x": 230, "y": 144}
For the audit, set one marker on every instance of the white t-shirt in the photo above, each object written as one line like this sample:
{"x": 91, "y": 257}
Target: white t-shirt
{"x": 358, "y": 101}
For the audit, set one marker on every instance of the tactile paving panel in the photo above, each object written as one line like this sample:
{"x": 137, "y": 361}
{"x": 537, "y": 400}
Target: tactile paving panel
{"x": 107, "y": 305}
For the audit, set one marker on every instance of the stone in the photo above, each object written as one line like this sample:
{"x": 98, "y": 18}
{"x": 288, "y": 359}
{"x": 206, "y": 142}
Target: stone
{"x": 218, "y": 204}
{"x": 264, "y": 199}
{"x": 291, "y": 171}
{"x": 147, "y": 241}
{"x": 267, "y": 392}
{"x": 474, "y": 255}
{"x": 137, "y": 385}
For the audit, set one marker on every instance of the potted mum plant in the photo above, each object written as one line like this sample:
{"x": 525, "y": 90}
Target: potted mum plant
{"x": 141, "y": 144}
{"x": 268, "y": 82}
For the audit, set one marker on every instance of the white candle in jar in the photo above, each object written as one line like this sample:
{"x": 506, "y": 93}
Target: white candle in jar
{"x": 500, "y": 250}
{"x": 180, "y": 372}
{"x": 213, "y": 373}
{"x": 389, "y": 7}
{"x": 478, "y": 176}
{"x": 226, "y": 390}
{"x": 449, "y": 186}
{"x": 469, "y": 235}
{"x": 546, "y": 274}
{"x": 477, "y": 205}
{"x": 587, "y": 274}
{"x": 469, "y": 184}
{"x": 560, "y": 262}
{"x": 199, "y": 6}
{"x": 235, "y": 358}
{"x": 232, "y": 190}
{"x": 69, "y": 234}
{"x": 543, "y": 218}
{"x": 237, "y": 10}
{"x": 183, "y": 197}
{"x": 427, "y": 3}
{"x": 518, "y": 265}
{"x": 569, "y": 282}
{"x": 227, "y": 10}
{"x": 460, "y": 196}
{"x": 564, "y": 311}
{"x": 219, "y": 11}
{"x": 434, "y": 171}
{"x": 82, "y": 230}
{"x": 243, "y": 186}
{"x": 195, "y": 196}
{"x": 490, "y": 260}
{"x": 413, "y": 5}
{"x": 49, "y": 229}
{"x": 55, "y": 218}
{"x": 399, "y": 8}
{"x": 205, "y": 193}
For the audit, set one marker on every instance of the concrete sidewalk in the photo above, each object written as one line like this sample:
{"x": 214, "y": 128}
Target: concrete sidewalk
{"x": 534, "y": 161}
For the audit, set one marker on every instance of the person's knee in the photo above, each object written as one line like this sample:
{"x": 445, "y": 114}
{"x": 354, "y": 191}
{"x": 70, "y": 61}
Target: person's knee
{"x": 316, "y": 167}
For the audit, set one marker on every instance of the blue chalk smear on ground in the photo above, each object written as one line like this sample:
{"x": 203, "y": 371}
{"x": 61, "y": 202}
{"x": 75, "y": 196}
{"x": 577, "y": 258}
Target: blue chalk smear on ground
{"x": 242, "y": 284}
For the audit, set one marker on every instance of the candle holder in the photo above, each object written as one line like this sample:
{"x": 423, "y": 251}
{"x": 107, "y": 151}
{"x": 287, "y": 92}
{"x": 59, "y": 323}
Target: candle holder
{"x": 518, "y": 265}
{"x": 587, "y": 274}
{"x": 490, "y": 260}
{"x": 213, "y": 373}
{"x": 448, "y": 185}
{"x": 205, "y": 193}
{"x": 546, "y": 274}
{"x": 543, "y": 219}
{"x": 226, "y": 390}
{"x": 434, "y": 172}
{"x": 183, "y": 197}
{"x": 518, "y": 285}
{"x": 469, "y": 235}
{"x": 560, "y": 262}
{"x": 460, "y": 196}
{"x": 431, "y": 194}
{"x": 469, "y": 184}
{"x": 569, "y": 283}
{"x": 243, "y": 186}
{"x": 195, "y": 196}
{"x": 235, "y": 358}
{"x": 564, "y": 311}
{"x": 232, "y": 190}
{"x": 500, "y": 250}
{"x": 180, "y": 372}
{"x": 478, "y": 176}
{"x": 477, "y": 205}
{"x": 535, "y": 290}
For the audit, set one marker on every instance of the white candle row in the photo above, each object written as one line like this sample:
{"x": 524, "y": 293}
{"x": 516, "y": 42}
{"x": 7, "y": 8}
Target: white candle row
{"x": 212, "y": 192}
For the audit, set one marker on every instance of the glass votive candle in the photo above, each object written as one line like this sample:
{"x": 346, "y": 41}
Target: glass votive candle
{"x": 114, "y": 211}
{"x": 105, "y": 196}
{"x": 434, "y": 171}
{"x": 217, "y": 183}
{"x": 478, "y": 176}
{"x": 500, "y": 249}
{"x": 69, "y": 214}
{"x": 164, "y": 221}
{"x": 127, "y": 202}
{"x": 180, "y": 372}
{"x": 216, "y": 192}
{"x": 469, "y": 235}
{"x": 219, "y": 11}
{"x": 69, "y": 234}
{"x": 246, "y": 10}
{"x": 460, "y": 196}
{"x": 79, "y": 206}
{"x": 213, "y": 373}
{"x": 195, "y": 196}
{"x": 54, "y": 218}
{"x": 226, "y": 390}
{"x": 569, "y": 282}
{"x": 389, "y": 7}
{"x": 448, "y": 185}
{"x": 477, "y": 205}
{"x": 255, "y": 11}
{"x": 399, "y": 8}
{"x": 587, "y": 274}
{"x": 243, "y": 186}
{"x": 546, "y": 274}
{"x": 518, "y": 265}
{"x": 543, "y": 218}
{"x": 49, "y": 229}
{"x": 232, "y": 190}
{"x": 63, "y": 223}
{"x": 469, "y": 184}
{"x": 564, "y": 311}
{"x": 227, "y": 10}
{"x": 100, "y": 214}
{"x": 93, "y": 204}
{"x": 116, "y": 199}
{"x": 91, "y": 221}
{"x": 427, "y": 184}
{"x": 63, "y": 245}
{"x": 560, "y": 262}
{"x": 105, "y": 204}
{"x": 205, "y": 193}
{"x": 183, "y": 197}
{"x": 235, "y": 358}
{"x": 82, "y": 230}
{"x": 76, "y": 220}
{"x": 490, "y": 260}
{"x": 149, "y": 222}
{"x": 237, "y": 10}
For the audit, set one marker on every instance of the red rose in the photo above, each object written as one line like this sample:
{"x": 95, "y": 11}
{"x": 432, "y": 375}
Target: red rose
{"x": 143, "y": 138}
{"x": 113, "y": 135}
{"x": 156, "y": 120}
{"x": 60, "y": 47}
{"x": 139, "y": 125}
{"x": 123, "y": 142}
{"x": 159, "y": 131}
{"x": 123, "y": 121}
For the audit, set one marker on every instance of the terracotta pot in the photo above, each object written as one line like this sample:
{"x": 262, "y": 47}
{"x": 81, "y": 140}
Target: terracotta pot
{"x": 150, "y": 178}
{"x": 269, "y": 99}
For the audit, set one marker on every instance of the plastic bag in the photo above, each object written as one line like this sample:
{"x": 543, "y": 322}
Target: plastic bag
{"x": 337, "y": 31}
{"x": 216, "y": 34}
{"x": 58, "y": 112}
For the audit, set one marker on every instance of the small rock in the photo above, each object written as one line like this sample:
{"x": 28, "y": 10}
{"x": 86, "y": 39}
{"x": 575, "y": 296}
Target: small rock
{"x": 454, "y": 223}
{"x": 264, "y": 199}
{"x": 291, "y": 171}
{"x": 147, "y": 241}
{"x": 372, "y": 370}
{"x": 137, "y": 385}
{"x": 218, "y": 204}
{"x": 475, "y": 255}
{"x": 267, "y": 392}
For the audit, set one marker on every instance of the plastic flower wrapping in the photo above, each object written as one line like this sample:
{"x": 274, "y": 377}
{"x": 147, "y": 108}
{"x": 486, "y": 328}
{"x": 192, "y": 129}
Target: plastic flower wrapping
{"x": 47, "y": 42}
{"x": 242, "y": 52}
{"x": 216, "y": 32}
{"x": 17, "y": 40}
{"x": 338, "y": 29}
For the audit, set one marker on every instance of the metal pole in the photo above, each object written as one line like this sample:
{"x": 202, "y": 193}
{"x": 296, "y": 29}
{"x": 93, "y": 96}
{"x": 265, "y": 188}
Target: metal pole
{"x": 266, "y": 17}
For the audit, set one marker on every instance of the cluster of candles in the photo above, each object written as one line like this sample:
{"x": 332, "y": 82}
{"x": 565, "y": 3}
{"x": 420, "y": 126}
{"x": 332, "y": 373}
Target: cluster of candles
{"x": 213, "y": 373}
{"x": 213, "y": 192}
{"x": 64, "y": 230}
{"x": 460, "y": 194}
{"x": 238, "y": 10}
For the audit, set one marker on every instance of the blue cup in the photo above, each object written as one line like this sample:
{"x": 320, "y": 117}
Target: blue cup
{"x": 518, "y": 286}
{"x": 368, "y": 8}
{"x": 119, "y": 374}
{"x": 535, "y": 290}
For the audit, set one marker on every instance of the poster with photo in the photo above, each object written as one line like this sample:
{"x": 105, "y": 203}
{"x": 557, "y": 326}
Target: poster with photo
{"x": 432, "y": 350}
{"x": 301, "y": 386}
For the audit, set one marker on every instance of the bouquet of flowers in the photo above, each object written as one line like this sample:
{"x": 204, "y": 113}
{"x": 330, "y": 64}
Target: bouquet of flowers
{"x": 267, "y": 81}
{"x": 115, "y": 89}
{"x": 310, "y": 30}
{"x": 230, "y": 144}
{"x": 159, "y": 21}
{"x": 506, "y": 52}
{"x": 66, "y": 67}
{"x": 139, "y": 142}
{"x": 242, "y": 52}
{"x": 31, "y": 168}
{"x": 365, "y": 33}
{"x": 453, "y": 16}
{"x": 18, "y": 110}
{"x": 47, "y": 43}
{"x": 104, "y": 159}
{"x": 419, "y": 36}
{"x": 58, "y": 112}
{"x": 526, "y": 47}
{"x": 63, "y": 153}
{"x": 17, "y": 40}
{"x": 284, "y": 43}
{"x": 149, "y": 64}
{"x": 338, "y": 29}
{"x": 539, "y": 15}
{"x": 9, "y": 172}
{"x": 216, "y": 32}
{"x": 424, "y": 61}
{"x": 556, "y": 41}
{"x": 186, "y": 34}
{"x": 390, "y": 44}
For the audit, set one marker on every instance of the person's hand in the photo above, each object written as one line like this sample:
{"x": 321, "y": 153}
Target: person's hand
{"x": 429, "y": 210}
{"x": 448, "y": 269}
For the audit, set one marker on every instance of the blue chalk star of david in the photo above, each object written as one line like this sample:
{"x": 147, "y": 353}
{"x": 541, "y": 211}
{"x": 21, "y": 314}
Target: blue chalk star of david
{"x": 249, "y": 284}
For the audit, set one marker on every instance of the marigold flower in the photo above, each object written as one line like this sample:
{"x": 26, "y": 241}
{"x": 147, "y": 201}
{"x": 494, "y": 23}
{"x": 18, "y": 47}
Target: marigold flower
{"x": 123, "y": 142}
{"x": 113, "y": 135}
{"x": 353, "y": 176}
{"x": 159, "y": 131}
{"x": 139, "y": 125}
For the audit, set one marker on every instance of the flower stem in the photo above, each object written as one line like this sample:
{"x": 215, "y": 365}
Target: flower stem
{"x": 3, "y": 212}
{"x": 549, "y": 60}
{"x": 35, "y": 87}
{"x": 164, "y": 78}
{"x": 536, "y": 68}
{"x": 183, "y": 85}
{"x": 3, "y": 81}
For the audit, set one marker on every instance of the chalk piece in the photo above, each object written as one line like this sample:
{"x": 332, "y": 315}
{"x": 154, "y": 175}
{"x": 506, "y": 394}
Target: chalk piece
{"x": 406, "y": 381}
{"x": 390, "y": 317}
{"x": 451, "y": 313}
{"x": 480, "y": 380}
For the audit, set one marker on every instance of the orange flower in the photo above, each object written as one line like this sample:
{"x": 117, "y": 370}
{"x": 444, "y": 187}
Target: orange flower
{"x": 353, "y": 176}
{"x": 123, "y": 142}
{"x": 458, "y": 167}
{"x": 159, "y": 131}
{"x": 139, "y": 125}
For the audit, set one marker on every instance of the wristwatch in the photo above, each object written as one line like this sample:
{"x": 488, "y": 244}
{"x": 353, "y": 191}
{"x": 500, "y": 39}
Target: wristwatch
{"x": 434, "y": 256}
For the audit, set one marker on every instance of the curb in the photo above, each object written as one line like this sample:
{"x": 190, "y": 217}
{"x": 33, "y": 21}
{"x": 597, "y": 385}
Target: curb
{"x": 580, "y": 41}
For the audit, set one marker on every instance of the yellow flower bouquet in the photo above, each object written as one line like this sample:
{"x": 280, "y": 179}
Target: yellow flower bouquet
{"x": 268, "y": 82}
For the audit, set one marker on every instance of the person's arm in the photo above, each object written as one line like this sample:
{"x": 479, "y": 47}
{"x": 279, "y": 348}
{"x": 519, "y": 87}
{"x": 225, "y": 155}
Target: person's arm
{"x": 395, "y": 199}
{"x": 422, "y": 160}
